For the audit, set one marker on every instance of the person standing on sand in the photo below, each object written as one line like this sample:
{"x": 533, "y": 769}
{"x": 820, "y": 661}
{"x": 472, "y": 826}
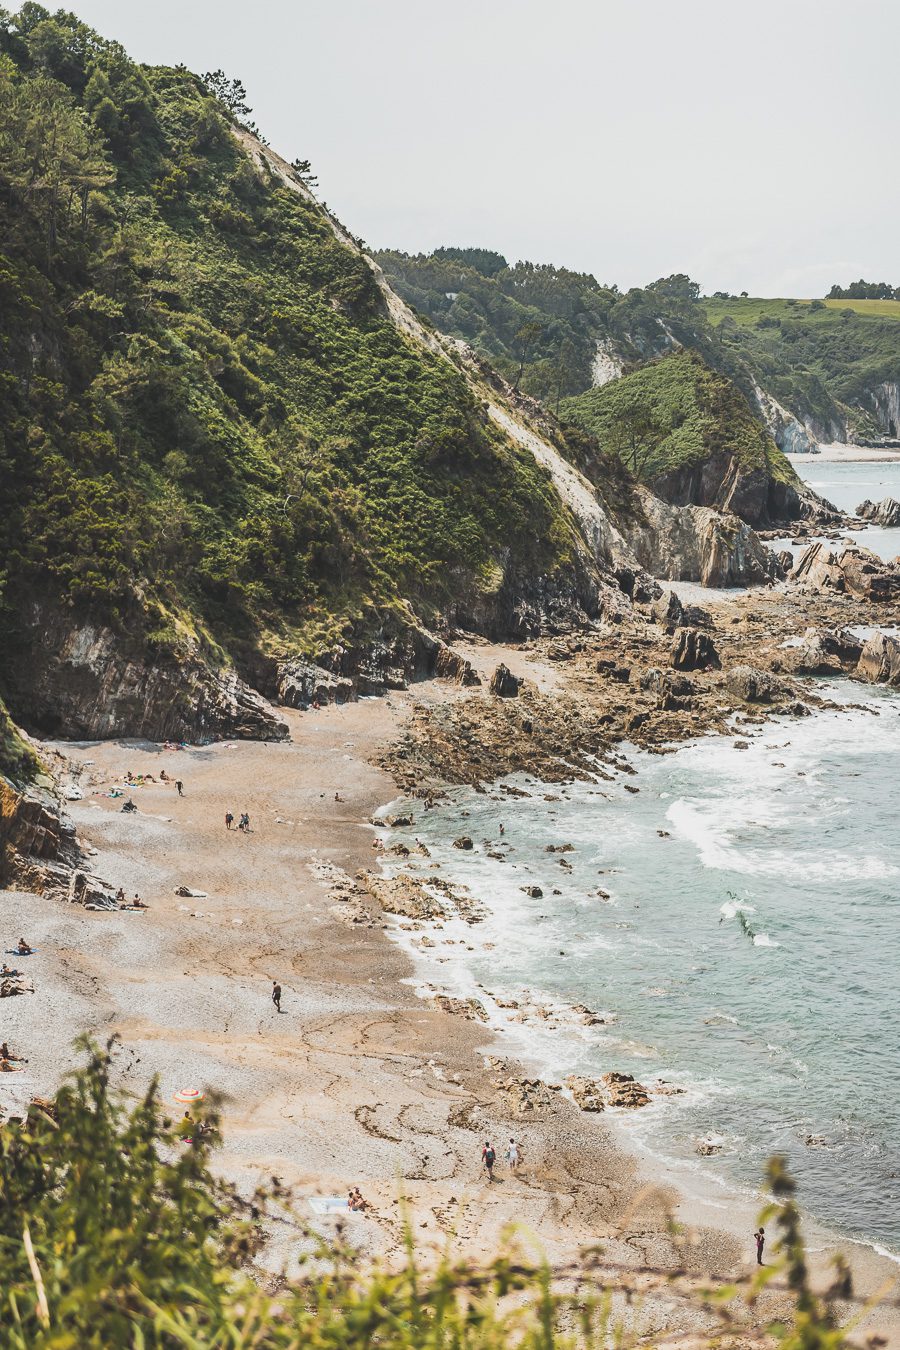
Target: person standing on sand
{"x": 229, "y": 820}
{"x": 760, "y": 1236}
{"x": 488, "y": 1157}
{"x": 180, "y": 787}
{"x": 276, "y": 995}
{"x": 512, "y": 1155}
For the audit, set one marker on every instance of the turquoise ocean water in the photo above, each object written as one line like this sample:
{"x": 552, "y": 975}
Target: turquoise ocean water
{"x": 747, "y": 947}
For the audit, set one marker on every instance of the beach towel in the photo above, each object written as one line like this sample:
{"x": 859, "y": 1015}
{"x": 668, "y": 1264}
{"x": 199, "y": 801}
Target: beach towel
{"x": 329, "y": 1204}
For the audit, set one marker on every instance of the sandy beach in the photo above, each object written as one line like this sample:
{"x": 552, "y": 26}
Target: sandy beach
{"x": 837, "y": 453}
{"x": 358, "y": 1081}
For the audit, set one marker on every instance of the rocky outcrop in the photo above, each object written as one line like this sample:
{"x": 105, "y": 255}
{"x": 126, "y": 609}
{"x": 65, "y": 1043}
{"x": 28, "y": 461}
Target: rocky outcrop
{"x": 403, "y": 895}
{"x": 849, "y": 570}
{"x": 753, "y": 494}
{"x": 504, "y": 683}
{"x": 586, "y": 1092}
{"x": 451, "y": 665}
{"x": 300, "y": 683}
{"x": 697, "y": 543}
{"x": 693, "y": 650}
{"x": 822, "y": 653}
{"x": 886, "y": 512}
{"x": 623, "y": 1090}
{"x": 756, "y": 686}
{"x": 879, "y": 662}
{"x": 668, "y": 611}
{"x": 86, "y": 682}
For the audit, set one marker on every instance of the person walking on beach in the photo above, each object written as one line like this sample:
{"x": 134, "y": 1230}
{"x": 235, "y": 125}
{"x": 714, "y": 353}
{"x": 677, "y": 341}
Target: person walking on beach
{"x": 512, "y": 1155}
{"x": 489, "y": 1157}
{"x": 760, "y": 1236}
{"x": 276, "y": 995}
{"x": 229, "y": 820}
{"x": 180, "y": 787}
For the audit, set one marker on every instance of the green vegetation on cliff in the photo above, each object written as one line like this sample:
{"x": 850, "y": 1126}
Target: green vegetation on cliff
{"x": 673, "y": 413}
{"x": 544, "y": 327}
{"x": 209, "y": 424}
{"x": 115, "y": 1232}
{"x": 18, "y": 762}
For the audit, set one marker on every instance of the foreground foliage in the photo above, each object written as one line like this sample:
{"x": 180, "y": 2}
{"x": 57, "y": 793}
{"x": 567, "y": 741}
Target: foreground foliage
{"x": 114, "y": 1231}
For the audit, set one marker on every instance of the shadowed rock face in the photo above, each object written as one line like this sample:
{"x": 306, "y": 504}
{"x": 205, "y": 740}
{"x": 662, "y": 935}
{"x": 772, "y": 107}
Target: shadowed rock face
{"x": 886, "y": 512}
{"x": 87, "y": 682}
{"x": 723, "y": 482}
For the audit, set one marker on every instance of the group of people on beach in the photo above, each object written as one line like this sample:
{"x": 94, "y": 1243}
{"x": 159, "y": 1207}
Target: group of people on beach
{"x": 11, "y": 982}
{"x": 489, "y": 1157}
{"x": 243, "y": 822}
{"x": 10, "y": 1063}
{"x": 134, "y": 903}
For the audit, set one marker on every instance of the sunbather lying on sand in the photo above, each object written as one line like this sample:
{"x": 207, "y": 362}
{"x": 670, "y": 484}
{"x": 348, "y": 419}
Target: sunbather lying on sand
{"x": 6, "y": 1053}
{"x": 24, "y": 949}
{"x": 8, "y": 973}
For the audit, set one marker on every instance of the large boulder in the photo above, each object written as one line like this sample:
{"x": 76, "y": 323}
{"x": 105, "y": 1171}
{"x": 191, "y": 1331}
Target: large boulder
{"x": 668, "y": 611}
{"x": 693, "y": 650}
{"x": 756, "y": 686}
{"x": 505, "y": 683}
{"x": 886, "y": 512}
{"x": 879, "y": 662}
{"x": 623, "y": 1090}
{"x": 822, "y": 653}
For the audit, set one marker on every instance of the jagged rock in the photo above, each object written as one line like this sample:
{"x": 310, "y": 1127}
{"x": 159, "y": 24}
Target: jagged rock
{"x": 706, "y": 1148}
{"x": 586, "y": 1092}
{"x": 85, "y": 681}
{"x": 698, "y": 543}
{"x": 668, "y": 611}
{"x": 526, "y": 1094}
{"x": 38, "y": 849}
{"x": 400, "y": 821}
{"x": 403, "y": 895}
{"x": 451, "y": 665}
{"x": 623, "y": 1090}
{"x": 463, "y": 842}
{"x": 756, "y": 686}
{"x": 822, "y": 653}
{"x": 504, "y": 683}
{"x": 472, "y": 1009}
{"x": 693, "y": 650}
{"x": 847, "y": 570}
{"x": 534, "y": 891}
{"x": 886, "y": 512}
{"x": 879, "y": 661}
{"x": 300, "y": 683}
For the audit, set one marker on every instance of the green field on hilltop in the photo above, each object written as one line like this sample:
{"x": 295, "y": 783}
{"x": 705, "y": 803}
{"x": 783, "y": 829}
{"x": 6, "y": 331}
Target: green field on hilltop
{"x": 748, "y": 311}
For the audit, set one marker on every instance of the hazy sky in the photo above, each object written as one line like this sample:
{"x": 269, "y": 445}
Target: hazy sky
{"x": 751, "y": 143}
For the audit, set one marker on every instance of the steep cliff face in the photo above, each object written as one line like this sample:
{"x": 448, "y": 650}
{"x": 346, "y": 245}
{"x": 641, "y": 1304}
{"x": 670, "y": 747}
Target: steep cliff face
{"x": 886, "y": 401}
{"x": 83, "y": 680}
{"x": 236, "y": 447}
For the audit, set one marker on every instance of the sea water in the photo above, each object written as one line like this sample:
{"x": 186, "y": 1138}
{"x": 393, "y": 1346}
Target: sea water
{"x": 736, "y": 925}
{"x": 847, "y": 485}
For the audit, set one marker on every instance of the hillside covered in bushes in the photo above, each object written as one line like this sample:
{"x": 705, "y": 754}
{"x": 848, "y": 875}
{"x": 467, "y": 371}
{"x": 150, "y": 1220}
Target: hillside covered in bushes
{"x": 214, "y": 437}
{"x": 809, "y": 370}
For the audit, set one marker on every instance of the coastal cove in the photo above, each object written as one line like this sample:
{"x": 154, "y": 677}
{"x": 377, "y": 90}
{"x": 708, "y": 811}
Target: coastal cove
{"x": 730, "y": 926}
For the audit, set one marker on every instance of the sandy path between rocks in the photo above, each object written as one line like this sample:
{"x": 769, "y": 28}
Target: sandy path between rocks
{"x": 357, "y": 1082}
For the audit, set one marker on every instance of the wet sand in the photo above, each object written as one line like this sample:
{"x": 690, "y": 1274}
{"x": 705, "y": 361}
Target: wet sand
{"x": 357, "y": 1081}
